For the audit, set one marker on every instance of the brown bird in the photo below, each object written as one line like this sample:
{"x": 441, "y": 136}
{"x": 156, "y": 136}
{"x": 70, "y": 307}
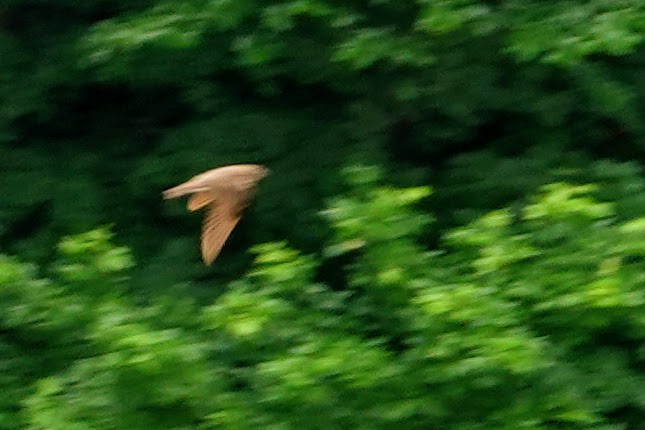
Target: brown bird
{"x": 227, "y": 191}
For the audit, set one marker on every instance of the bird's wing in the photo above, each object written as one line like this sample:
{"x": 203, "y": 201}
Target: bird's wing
{"x": 219, "y": 222}
{"x": 199, "y": 200}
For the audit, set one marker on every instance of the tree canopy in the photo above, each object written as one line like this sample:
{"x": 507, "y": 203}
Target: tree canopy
{"x": 452, "y": 236}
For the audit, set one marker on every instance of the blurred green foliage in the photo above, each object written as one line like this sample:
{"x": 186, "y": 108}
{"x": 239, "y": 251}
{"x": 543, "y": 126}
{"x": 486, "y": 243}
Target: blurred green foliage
{"x": 523, "y": 319}
{"x": 509, "y": 295}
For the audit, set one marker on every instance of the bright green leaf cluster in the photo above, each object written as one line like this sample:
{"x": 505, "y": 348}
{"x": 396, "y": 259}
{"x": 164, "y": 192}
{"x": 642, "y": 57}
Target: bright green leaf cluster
{"x": 533, "y": 318}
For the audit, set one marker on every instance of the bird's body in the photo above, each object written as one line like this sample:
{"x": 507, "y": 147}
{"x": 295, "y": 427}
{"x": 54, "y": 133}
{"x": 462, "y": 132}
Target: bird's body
{"x": 226, "y": 191}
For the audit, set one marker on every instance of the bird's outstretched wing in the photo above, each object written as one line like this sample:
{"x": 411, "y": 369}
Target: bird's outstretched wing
{"x": 219, "y": 222}
{"x": 199, "y": 200}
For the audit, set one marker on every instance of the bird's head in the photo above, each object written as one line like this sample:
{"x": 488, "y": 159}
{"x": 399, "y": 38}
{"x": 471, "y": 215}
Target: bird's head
{"x": 262, "y": 172}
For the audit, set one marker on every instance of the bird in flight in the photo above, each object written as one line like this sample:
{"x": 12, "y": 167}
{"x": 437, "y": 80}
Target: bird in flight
{"x": 227, "y": 191}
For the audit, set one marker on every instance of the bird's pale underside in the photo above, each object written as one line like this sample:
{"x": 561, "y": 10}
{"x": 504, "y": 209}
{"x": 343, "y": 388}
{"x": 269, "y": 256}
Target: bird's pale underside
{"x": 226, "y": 191}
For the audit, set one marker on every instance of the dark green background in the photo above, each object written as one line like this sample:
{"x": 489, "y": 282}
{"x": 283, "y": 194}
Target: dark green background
{"x": 490, "y": 301}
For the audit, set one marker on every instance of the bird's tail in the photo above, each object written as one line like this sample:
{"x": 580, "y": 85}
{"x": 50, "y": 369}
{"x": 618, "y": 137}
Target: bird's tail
{"x": 177, "y": 191}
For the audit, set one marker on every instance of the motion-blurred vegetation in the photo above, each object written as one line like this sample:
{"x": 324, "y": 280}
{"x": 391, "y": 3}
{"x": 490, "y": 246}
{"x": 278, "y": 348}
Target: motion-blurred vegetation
{"x": 511, "y": 295}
